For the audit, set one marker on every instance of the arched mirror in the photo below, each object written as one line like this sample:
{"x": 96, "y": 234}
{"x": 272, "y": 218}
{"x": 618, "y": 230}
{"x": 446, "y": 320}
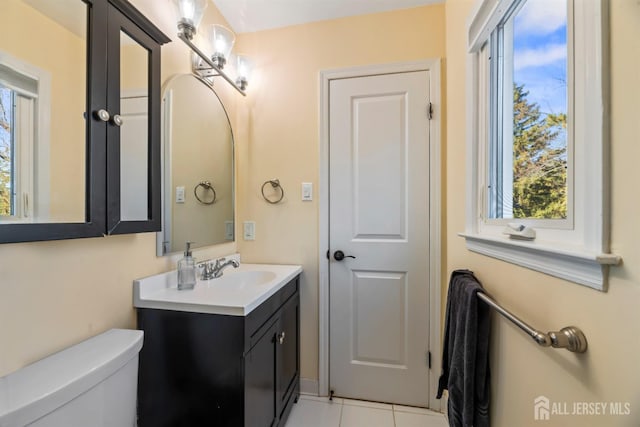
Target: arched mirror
{"x": 198, "y": 197}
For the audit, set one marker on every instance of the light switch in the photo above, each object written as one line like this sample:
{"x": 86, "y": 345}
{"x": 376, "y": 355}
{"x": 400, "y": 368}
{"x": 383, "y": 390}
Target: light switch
{"x": 179, "y": 194}
{"x": 307, "y": 191}
{"x": 249, "y": 230}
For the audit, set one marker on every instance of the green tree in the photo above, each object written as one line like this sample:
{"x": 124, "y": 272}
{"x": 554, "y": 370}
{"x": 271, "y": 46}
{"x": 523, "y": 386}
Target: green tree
{"x": 539, "y": 160}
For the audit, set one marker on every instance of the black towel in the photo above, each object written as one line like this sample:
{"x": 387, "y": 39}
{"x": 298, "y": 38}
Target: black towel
{"x": 465, "y": 358}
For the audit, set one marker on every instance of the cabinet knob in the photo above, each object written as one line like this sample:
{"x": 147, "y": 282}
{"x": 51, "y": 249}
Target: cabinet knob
{"x": 117, "y": 120}
{"x": 281, "y": 338}
{"x": 102, "y": 115}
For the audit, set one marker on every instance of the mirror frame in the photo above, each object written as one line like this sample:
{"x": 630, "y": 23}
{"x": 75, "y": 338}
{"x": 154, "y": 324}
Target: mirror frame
{"x": 166, "y": 176}
{"x": 95, "y": 143}
{"x": 97, "y": 196}
{"x": 133, "y": 24}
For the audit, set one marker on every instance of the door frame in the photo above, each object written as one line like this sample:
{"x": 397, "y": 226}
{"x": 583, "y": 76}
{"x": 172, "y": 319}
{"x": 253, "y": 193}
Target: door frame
{"x": 435, "y": 202}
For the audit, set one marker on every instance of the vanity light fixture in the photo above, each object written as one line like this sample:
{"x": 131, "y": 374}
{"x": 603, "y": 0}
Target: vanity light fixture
{"x": 244, "y": 69}
{"x": 207, "y": 68}
{"x": 222, "y": 40}
{"x": 190, "y": 13}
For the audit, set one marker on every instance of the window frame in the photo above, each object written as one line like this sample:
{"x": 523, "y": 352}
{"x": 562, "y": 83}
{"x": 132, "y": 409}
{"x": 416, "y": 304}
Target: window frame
{"x": 31, "y": 128}
{"x": 579, "y": 252}
{"x": 503, "y": 53}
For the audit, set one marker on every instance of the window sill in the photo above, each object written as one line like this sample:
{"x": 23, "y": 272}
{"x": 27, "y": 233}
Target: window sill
{"x": 587, "y": 269}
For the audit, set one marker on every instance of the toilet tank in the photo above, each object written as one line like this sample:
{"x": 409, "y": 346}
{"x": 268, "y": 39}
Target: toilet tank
{"x": 91, "y": 384}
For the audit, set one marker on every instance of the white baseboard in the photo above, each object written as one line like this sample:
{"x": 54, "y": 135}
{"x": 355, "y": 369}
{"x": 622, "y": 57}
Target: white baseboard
{"x": 308, "y": 386}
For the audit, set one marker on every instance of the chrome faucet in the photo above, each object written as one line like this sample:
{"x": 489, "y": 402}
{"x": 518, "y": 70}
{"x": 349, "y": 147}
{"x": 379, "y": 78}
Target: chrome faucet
{"x": 211, "y": 270}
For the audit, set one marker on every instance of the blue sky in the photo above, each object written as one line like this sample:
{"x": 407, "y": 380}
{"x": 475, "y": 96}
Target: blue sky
{"x": 540, "y": 53}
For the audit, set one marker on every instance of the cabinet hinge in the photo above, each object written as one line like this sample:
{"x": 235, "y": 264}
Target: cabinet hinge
{"x": 429, "y": 359}
{"x": 430, "y": 111}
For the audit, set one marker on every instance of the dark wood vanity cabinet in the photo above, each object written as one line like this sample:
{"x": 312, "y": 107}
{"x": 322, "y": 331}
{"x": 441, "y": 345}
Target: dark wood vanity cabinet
{"x": 200, "y": 369}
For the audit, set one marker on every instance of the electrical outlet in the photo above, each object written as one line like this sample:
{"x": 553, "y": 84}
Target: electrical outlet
{"x": 307, "y": 191}
{"x": 249, "y": 230}
{"x": 228, "y": 230}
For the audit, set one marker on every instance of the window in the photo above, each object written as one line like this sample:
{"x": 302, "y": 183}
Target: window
{"x": 24, "y": 140}
{"x": 17, "y": 105}
{"x": 7, "y": 152}
{"x": 529, "y": 147}
{"x": 537, "y": 136}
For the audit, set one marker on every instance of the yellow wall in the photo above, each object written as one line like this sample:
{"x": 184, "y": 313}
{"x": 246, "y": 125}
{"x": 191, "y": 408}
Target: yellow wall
{"x": 521, "y": 370}
{"x": 278, "y": 135}
{"x": 54, "y": 294}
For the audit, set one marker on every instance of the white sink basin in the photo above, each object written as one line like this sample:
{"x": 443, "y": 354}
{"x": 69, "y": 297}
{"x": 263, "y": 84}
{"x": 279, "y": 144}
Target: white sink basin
{"x": 236, "y": 293}
{"x": 241, "y": 279}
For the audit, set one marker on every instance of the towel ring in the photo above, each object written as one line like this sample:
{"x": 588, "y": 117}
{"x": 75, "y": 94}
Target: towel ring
{"x": 275, "y": 183}
{"x": 208, "y": 187}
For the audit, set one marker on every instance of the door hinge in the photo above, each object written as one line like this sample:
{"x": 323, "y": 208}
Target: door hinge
{"x": 430, "y": 111}
{"x": 429, "y": 359}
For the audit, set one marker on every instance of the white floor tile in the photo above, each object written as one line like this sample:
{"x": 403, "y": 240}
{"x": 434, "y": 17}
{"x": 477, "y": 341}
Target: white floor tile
{"x": 314, "y": 413}
{"x": 335, "y": 400}
{"x": 408, "y": 419}
{"x": 368, "y": 404}
{"x": 414, "y": 410}
{"x": 361, "y": 416}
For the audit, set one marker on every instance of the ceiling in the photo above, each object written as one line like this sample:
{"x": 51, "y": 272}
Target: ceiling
{"x": 255, "y": 15}
{"x": 68, "y": 13}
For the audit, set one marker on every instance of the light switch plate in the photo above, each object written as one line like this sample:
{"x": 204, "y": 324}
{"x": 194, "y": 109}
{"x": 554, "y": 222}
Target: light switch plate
{"x": 307, "y": 191}
{"x": 249, "y": 230}
{"x": 179, "y": 194}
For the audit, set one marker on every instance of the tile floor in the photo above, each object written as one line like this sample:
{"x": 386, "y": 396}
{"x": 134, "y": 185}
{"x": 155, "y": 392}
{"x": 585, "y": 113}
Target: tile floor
{"x": 312, "y": 411}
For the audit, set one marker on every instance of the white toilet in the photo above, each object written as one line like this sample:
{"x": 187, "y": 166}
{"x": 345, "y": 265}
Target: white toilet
{"x": 92, "y": 384}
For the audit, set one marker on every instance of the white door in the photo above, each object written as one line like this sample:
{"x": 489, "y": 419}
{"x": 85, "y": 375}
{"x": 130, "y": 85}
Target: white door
{"x": 379, "y": 214}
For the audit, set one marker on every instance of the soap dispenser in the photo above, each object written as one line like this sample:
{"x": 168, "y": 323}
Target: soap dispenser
{"x": 186, "y": 270}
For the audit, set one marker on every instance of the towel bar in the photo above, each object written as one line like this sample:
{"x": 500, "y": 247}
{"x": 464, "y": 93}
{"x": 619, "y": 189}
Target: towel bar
{"x": 571, "y": 337}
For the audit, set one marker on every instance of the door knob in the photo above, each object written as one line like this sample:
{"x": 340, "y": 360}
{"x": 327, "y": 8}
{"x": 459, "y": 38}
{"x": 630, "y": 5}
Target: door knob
{"x": 339, "y": 256}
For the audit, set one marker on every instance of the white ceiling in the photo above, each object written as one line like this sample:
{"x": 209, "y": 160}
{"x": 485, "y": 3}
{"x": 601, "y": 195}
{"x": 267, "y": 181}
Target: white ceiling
{"x": 254, "y": 15}
{"x": 71, "y": 14}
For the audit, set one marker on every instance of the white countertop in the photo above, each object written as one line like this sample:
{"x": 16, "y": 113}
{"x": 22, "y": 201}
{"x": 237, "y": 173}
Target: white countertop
{"x": 236, "y": 293}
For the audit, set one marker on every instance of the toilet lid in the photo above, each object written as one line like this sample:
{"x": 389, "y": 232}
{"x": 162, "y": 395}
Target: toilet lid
{"x": 37, "y": 389}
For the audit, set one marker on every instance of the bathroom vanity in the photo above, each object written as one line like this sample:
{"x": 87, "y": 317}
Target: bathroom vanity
{"x": 226, "y": 353}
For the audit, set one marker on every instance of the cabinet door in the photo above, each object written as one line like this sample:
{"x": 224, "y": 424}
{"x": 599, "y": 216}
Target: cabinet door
{"x": 288, "y": 353}
{"x": 52, "y": 147}
{"x": 133, "y": 132}
{"x": 260, "y": 381}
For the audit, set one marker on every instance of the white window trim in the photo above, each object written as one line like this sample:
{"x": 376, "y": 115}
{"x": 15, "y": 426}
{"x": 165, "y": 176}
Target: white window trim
{"x": 584, "y": 256}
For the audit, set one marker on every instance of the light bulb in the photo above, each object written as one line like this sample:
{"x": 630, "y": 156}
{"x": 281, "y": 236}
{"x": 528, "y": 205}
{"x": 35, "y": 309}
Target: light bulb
{"x": 244, "y": 67}
{"x": 190, "y": 13}
{"x": 222, "y": 40}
